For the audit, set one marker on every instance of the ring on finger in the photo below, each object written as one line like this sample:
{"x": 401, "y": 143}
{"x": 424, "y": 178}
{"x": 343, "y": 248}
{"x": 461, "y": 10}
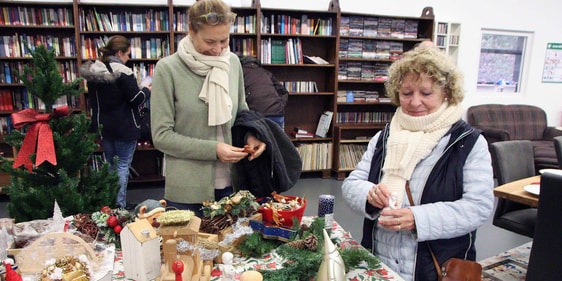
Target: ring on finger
{"x": 399, "y": 227}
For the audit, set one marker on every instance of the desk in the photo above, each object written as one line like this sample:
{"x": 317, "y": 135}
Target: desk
{"x": 514, "y": 191}
{"x": 273, "y": 261}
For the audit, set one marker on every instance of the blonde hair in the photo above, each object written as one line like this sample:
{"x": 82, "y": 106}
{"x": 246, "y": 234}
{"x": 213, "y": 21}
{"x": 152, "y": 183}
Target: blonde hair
{"x": 203, "y": 7}
{"x": 431, "y": 62}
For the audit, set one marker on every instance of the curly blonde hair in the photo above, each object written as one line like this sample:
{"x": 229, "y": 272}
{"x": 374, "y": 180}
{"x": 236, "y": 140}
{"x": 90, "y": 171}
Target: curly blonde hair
{"x": 431, "y": 62}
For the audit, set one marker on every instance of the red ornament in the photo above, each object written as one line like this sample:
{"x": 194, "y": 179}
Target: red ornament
{"x": 105, "y": 210}
{"x": 177, "y": 267}
{"x": 39, "y": 136}
{"x": 112, "y": 221}
{"x": 117, "y": 229}
{"x": 11, "y": 274}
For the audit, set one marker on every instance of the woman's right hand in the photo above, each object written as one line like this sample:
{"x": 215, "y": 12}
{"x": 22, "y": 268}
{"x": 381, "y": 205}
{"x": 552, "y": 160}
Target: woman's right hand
{"x": 378, "y": 196}
{"x": 230, "y": 154}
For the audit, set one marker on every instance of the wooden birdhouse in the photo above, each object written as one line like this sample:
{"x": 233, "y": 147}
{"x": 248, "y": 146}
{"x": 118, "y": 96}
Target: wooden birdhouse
{"x": 141, "y": 251}
{"x": 187, "y": 232}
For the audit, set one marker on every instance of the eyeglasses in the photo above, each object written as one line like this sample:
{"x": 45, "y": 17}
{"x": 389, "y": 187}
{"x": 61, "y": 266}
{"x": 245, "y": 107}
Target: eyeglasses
{"x": 213, "y": 18}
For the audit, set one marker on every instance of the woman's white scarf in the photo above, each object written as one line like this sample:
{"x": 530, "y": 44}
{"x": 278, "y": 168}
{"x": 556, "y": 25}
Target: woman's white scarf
{"x": 410, "y": 140}
{"x": 215, "y": 87}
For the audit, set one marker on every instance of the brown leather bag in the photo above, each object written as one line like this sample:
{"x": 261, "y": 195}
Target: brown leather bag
{"x": 460, "y": 270}
{"x": 453, "y": 269}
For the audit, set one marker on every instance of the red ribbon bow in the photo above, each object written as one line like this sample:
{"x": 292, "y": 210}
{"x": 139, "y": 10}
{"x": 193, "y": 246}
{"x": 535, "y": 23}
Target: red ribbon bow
{"x": 39, "y": 136}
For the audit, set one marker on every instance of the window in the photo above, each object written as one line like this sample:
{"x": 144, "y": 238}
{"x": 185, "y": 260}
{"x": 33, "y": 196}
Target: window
{"x": 502, "y": 59}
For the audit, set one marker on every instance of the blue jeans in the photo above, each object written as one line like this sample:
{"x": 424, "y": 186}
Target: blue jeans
{"x": 124, "y": 150}
{"x": 196, "y": 207}
{"x": 278, "y": 119}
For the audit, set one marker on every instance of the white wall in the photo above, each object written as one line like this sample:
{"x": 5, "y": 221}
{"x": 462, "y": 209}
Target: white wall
{"x": 540, "y": 17}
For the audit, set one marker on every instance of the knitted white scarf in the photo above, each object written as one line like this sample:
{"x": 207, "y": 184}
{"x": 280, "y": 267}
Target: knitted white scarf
{"x": 410, "y": 140}
{"x": 215, "y": 87}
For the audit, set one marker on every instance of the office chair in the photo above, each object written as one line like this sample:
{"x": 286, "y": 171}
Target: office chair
{"x": 546, "y": 252}
{"x": 513, "y": 160}
{"x": 558, "y": 148}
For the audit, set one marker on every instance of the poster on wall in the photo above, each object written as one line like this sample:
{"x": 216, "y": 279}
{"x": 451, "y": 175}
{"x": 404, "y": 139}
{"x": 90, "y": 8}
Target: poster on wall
{"x": 552, "y": 71}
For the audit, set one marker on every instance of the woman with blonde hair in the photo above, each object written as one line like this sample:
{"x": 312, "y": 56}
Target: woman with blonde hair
{"x": 198, "y": 92}
{"x": 427, "y": 154}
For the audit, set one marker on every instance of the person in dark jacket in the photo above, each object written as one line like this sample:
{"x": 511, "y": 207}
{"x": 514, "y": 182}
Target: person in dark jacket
{"x": 116, "y": 100}
{"x": 264, "y": 93}
{"x": 279, "y": 167}
{"x": 443, "y": 161}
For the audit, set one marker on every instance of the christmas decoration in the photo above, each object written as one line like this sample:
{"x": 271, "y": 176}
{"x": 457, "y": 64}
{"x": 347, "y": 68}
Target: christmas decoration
{"x": 218, "y": 215}
{"x": 66, "y": 268}
{"x": 62, "y": 176}
{"x": 109, "y": 224}
{"x": 332, "y": 266}
{"x": 11, "y": 274}
{"x": 302, "y": 264}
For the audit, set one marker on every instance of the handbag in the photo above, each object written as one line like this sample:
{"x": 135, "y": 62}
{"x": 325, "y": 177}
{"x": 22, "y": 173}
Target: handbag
{"x": 453, "y": 269}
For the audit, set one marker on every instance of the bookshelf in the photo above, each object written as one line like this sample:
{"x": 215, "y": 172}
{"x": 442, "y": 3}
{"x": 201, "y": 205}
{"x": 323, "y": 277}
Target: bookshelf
{"x": 350, "y": 84}
{"x": 447, "y": 37}
{"x": 368, "y": 44}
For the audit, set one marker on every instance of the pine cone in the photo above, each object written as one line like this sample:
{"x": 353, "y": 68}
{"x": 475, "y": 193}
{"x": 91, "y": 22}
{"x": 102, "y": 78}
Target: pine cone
{"x": 311, "y": 242}
{"x": 297, "y": 244}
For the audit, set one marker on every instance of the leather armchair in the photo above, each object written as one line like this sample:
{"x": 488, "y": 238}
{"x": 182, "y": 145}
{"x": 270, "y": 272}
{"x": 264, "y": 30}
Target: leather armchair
{"x": 500, "y": 122}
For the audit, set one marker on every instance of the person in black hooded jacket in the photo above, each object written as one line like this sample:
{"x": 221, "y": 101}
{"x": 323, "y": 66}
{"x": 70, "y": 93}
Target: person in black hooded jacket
{"x": 116, "y": 100}
{"x": 277, "y": 169}
{"x": 264, "y": 93}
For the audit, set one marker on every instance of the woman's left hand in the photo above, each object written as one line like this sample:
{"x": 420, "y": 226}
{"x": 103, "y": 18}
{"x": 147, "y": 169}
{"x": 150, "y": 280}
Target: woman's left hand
{"x": 257, "y": 145}
{"x": 400, "y": 219}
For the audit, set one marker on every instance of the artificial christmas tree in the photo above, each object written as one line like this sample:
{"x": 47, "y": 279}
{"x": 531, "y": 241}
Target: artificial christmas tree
{"x": 53, "y": 154}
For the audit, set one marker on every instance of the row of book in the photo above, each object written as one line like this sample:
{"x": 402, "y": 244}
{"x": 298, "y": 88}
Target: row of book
{"x": 358, "y": 96}
{"x": 370, "y": 117}
{"x": 6, "y": 125}
{"x": 21, "y": 45}
{"x": 303, "y": 25}
{"x": 152, "y": 48}
{"x": 379, "y": 27}
{"x": 18, "y": 99}
{"x": 281, "y": 51}
{"x": 32, "y": 16}
{"x": 300, "y": 86}
{"x": 350, "y": 155}
{"x": 242, "y": 46}
{"x": 9, "y": 70}
{"x": 367, "y": 71}
{"x": 315, "y": 156}
{"x": 151, "y": 20}
{"x": 370, "y": 49}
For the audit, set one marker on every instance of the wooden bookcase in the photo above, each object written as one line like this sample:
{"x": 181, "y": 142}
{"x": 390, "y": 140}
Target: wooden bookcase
{"x": 368, "y": 44}
{"x": 258, "y": 32}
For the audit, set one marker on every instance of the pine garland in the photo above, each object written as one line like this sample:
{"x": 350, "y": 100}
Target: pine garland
{"x": 302, "y": 264}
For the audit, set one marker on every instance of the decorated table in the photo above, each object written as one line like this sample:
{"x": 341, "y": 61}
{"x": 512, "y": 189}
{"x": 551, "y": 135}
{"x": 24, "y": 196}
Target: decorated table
{"x": 274, "y": 261}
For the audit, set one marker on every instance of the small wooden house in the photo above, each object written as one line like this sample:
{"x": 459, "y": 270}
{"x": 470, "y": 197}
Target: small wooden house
{"x": 141, "y": 251}
{"x": 187, "y": 232}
